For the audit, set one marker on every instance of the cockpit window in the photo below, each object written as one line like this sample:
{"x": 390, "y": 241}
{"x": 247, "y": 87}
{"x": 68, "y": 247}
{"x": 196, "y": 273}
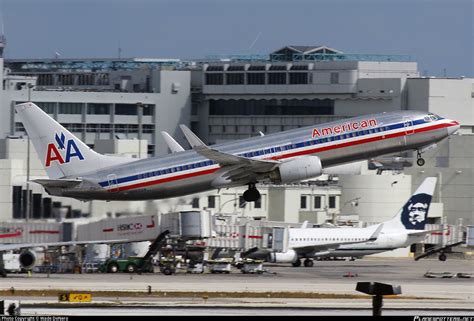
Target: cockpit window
{"x": 427, "y": 118}
{"x": 433, "y": 116}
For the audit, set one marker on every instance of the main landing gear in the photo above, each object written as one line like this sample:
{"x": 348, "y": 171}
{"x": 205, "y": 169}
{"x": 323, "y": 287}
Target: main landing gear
{"x": 296, "y": 263}
{"x": 419, "y": 160}
{"x": 252, "y": 194}
{"x": 306, "y": 263}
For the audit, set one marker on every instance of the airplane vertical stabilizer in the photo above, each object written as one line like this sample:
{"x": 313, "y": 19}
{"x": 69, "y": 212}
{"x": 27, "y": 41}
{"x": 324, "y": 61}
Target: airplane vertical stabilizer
{"x": 414, "y": 214}
{"x": 61, "y": 153}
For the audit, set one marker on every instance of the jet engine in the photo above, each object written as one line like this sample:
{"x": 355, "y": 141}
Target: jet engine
{"x": 27, "y": 259}
{"x": 283, "y": 257}
{"x": 297, "y": 169}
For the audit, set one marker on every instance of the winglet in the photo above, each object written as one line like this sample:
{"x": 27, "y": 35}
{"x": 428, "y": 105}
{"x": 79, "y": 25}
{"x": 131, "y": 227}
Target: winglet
{"x": 305, "y": 224}
{"x": 192, "y": 139}
{"x": 375, "y": 235}
{"x": 172, "y": 144}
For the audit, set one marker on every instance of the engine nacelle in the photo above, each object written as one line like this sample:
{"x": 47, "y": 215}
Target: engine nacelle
{"x": 27, "y": 259}
{"x": 284, "y": 257}
{"x": 297, "y": 169}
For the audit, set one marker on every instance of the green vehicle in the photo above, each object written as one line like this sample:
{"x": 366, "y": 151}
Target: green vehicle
{"x": 134, "y": 263}
{"x": 131, "y": 265}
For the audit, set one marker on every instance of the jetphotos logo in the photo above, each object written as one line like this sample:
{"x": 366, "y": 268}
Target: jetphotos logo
{"x": 345, "y": 127}
{"x": 68, "y": 150}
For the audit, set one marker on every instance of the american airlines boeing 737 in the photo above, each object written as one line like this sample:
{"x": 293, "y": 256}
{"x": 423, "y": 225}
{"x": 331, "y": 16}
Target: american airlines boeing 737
{"x": 76, "y": 171}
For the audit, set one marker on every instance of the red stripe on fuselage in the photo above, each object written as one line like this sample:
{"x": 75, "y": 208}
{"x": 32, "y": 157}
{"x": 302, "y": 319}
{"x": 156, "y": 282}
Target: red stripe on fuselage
{"x": 293, "y": 154}
{"x": 166, "y": 180}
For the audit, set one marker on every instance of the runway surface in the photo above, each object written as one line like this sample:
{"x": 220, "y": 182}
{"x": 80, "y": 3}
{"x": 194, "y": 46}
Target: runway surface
{"x": 326, "y": 280}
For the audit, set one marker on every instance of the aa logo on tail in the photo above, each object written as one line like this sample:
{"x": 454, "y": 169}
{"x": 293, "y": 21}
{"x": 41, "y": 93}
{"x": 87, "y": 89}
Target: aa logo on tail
{"x": 53, "y": 153}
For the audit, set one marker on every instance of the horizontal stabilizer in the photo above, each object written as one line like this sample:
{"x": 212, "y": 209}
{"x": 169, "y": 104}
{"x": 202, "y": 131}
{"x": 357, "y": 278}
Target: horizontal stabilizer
{"x": 58, "y": 183}
{"x": 419, "y": 233}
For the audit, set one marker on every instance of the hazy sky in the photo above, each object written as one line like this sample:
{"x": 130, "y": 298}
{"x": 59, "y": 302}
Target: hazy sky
{"x": 437, "y": 34}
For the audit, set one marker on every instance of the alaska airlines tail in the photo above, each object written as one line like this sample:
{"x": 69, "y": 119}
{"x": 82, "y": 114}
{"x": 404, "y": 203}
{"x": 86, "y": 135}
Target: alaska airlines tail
{"x": 414, "y": 214}
{"x": 61, "y": 153}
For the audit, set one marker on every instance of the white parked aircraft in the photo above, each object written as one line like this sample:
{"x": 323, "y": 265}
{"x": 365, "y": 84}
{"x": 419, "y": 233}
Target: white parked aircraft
{"x": 406, "y": 228}
{"x": 77, "y": 171}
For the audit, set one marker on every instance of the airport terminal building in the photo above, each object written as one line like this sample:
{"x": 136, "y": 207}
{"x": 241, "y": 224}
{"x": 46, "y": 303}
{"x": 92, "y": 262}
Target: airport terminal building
{"x": 121, "y": 106}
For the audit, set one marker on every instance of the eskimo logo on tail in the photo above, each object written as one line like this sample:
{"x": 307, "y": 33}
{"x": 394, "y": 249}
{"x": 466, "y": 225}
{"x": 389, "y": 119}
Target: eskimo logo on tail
{"x": 415, "y": 212}
{"x": 53, "y": 154}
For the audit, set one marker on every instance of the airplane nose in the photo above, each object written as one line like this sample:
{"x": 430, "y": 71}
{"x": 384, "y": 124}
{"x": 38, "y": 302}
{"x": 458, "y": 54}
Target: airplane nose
{"x": 453, "y": 127}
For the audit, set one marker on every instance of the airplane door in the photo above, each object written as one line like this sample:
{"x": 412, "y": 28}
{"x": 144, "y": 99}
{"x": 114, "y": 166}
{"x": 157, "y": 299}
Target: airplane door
{"x": 408, "y": 124}
{"x": 112, "y": 179}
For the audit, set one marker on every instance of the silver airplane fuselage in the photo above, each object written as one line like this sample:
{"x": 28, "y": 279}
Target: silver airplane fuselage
{"x": 335, "y": 143}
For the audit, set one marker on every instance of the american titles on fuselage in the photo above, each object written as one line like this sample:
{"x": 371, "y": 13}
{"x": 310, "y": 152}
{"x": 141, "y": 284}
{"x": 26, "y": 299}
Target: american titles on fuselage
{"x": 346, "y": 127}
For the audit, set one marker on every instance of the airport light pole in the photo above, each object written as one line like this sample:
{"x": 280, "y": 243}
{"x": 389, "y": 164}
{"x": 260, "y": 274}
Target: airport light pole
{"x": 28, "y": 207}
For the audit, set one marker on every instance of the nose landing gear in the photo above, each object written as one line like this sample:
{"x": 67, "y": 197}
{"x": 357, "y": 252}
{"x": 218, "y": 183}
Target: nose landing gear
{"x": 252, "y": 194}
{"x": 420, "y": 161}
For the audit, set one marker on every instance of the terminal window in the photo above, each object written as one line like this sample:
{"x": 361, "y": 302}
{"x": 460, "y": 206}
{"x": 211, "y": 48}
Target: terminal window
{"x": 98, "y": 109}
{"x": 126, "y": 109}
{"x": 70, "y": 108}
{"x": 256, "y": 78}
{"x": 235, "y": 79}
{"x": 303, "y": 203}
{"x": 47, "y": 107}
{"x": 332, "y": 201}
{"x": 317, "y": 202}
{"x": 297, "y": 78}
{"x": 214, "y": 79}
{"x": 211, "y": 201}
{"x": 277, "y": 78}
{"x": 288, "y": 107}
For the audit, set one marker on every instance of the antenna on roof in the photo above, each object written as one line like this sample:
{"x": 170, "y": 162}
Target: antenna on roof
{"x": 119, "y": 50}
{"x": 255, "y": 41}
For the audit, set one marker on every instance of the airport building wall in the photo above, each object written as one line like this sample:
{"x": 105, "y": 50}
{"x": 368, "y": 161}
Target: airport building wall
{"x": 94, "y": 114}
{"x": 310, "y": 201}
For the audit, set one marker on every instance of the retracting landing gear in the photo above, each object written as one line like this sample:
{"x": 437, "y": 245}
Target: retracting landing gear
{"x": 252, "y": 194}
{"x": 419, "y": 160}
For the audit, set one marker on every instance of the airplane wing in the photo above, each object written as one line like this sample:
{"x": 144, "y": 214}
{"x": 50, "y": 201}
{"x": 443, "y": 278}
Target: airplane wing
{"x": 234, "y": 167}
{"x": 11, "y": 247}
{"x": 333, "y": 245}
